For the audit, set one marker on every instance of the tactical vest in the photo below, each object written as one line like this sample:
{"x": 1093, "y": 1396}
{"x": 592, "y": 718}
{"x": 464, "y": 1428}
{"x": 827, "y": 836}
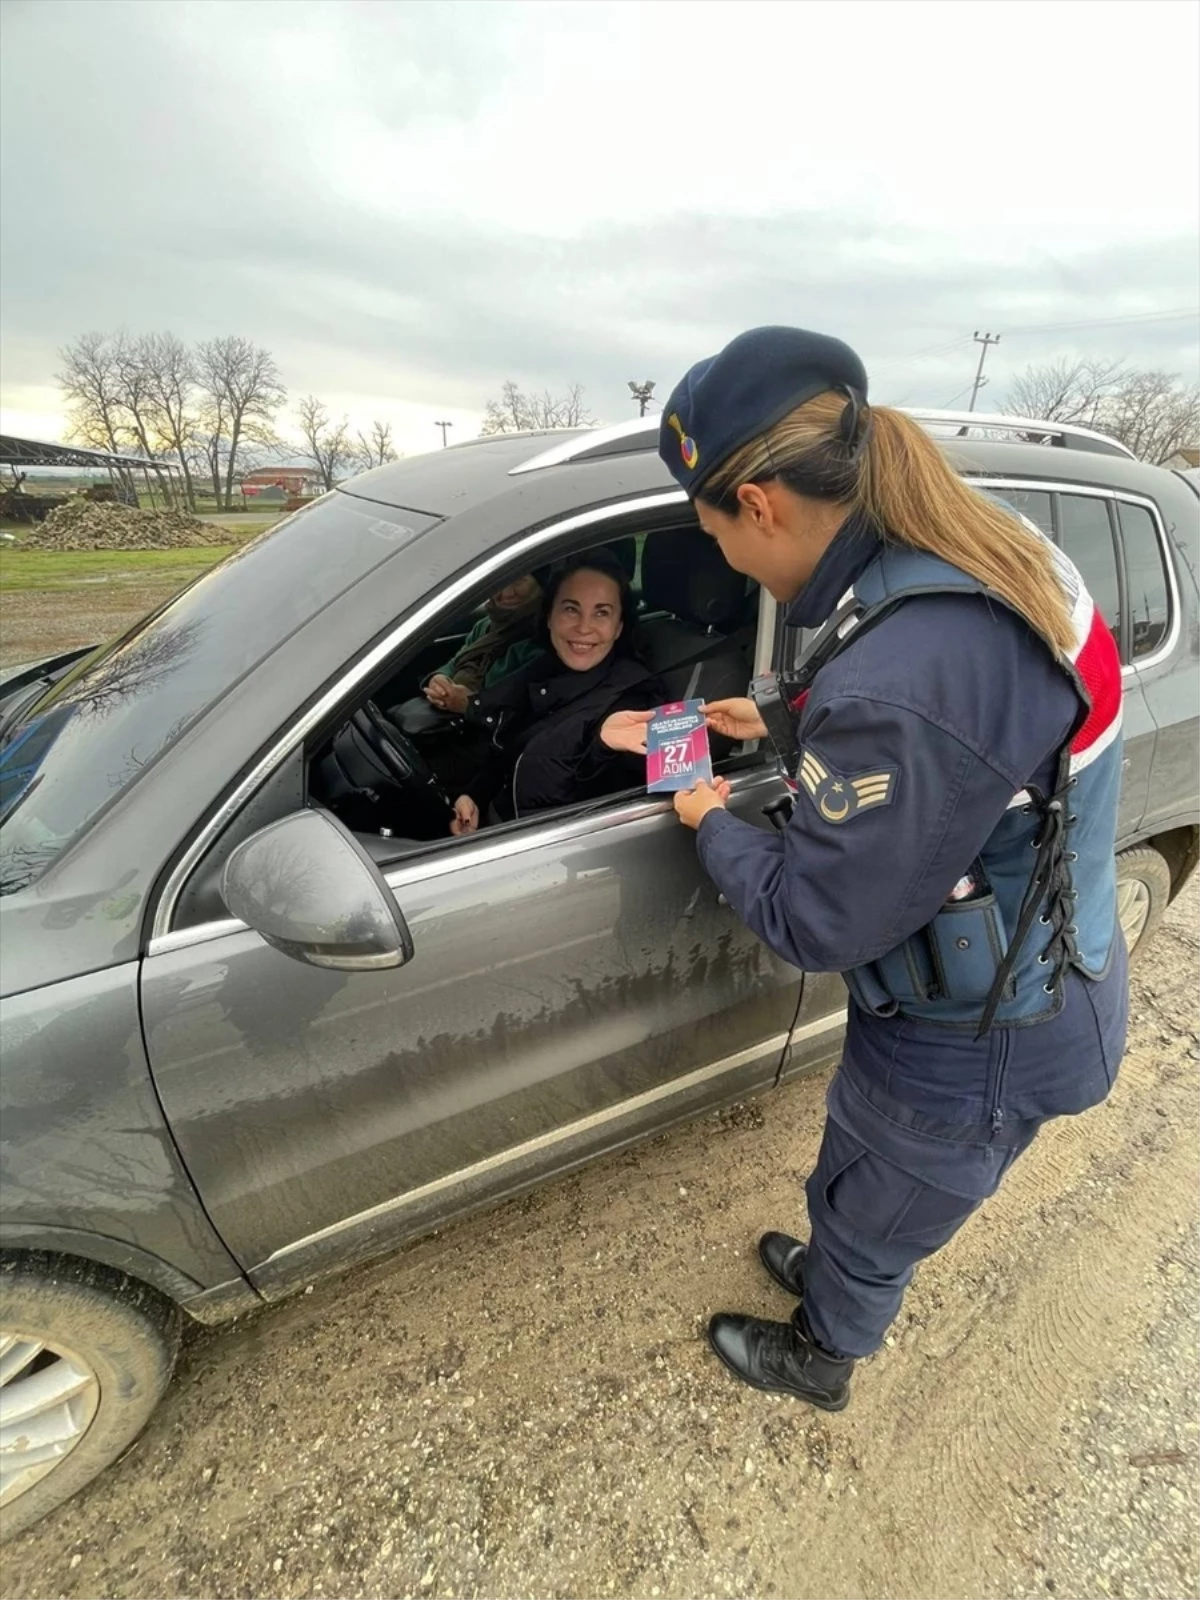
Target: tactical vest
{"x": 1041, "y": 898}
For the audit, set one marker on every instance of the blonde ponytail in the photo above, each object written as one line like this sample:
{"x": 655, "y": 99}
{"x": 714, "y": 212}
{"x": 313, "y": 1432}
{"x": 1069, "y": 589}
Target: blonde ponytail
{"x": 905, "y": 485}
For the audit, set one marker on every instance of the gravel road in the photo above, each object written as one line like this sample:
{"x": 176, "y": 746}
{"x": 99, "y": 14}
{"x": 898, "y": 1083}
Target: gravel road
{"x": 524, "y": 1405}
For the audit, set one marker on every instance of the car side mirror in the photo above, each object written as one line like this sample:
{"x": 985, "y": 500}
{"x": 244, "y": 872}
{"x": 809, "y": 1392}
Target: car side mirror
{"x": 307, "y": 887}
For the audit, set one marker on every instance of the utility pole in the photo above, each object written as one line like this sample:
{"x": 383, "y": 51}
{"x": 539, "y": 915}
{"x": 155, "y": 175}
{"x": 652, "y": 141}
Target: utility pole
{"x": 443, "y": 426}
{"x": 641, "y": 393}
{"x": 984, "y": 339}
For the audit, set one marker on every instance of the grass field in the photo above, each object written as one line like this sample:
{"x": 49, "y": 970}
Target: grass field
{"x": 53, "y": 600}
{"x": 70, "y": 569}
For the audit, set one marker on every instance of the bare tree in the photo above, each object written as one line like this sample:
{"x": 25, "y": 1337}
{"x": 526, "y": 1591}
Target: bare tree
{"x": 1154, "y": 415}
{"x": 515, "y": 411}
{"x": 242, "y": 391}
{"x": 376, "y": 448}
{"x": 327, "y": 446}
{"x": 571, "y": 411}
{"x": 132, "y": 368}
{"x": 211, "y": 441}
{"x": 1065, "y": 391}
{"x": 170, "y": 382}
{"x": 89, "y": 382}
{"x": 132, "y": 363}
{"x": 1151, "y": 412}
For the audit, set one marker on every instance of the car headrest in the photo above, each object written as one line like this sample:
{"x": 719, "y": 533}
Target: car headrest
{"x": 623, "y": 551}
{"x": 683, "y": 571}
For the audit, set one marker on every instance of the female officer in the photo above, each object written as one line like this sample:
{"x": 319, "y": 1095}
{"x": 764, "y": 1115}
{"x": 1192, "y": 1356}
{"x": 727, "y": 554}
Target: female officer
{"x": 954, "y": 731}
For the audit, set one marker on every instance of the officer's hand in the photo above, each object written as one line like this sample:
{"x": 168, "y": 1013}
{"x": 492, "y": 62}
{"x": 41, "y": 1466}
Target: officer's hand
{"x": 693, "y": 805}
{"x": 466, "y": 816}
{"x": 447, "y": 695}
{"x": 736, "y": 719}
{"x": 626, "y": 730}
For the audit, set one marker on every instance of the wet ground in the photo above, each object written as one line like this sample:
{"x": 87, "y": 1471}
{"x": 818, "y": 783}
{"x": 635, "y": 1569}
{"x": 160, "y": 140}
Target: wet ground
{"x": 524, "y": 1405}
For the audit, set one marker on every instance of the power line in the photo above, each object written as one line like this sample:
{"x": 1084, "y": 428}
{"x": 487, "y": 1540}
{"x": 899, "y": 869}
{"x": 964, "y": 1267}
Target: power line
{"x": 920, "y": 355}
{"x": 1109, "y": 322}
{"x": 1134, "y": 319}
{"x": 946, "y": 404}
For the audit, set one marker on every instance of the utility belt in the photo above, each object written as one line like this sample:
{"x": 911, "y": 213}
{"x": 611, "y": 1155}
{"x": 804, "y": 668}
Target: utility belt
{"x": 959, "y": 960}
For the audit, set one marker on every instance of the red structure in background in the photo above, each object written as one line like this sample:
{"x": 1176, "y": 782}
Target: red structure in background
{"x": 293, "y": 483}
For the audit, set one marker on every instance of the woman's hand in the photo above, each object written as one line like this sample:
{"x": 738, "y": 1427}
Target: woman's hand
{"x": 626, "y": 730}
{"x": 466, "y": 816}
{"x": 736, "y": 719}
{"x": 446, "y": 695}
{"x": 693, "y": 805}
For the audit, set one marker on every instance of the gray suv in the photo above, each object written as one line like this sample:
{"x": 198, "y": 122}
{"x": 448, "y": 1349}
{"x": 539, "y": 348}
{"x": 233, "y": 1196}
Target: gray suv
{"x": 263, "y": 1017}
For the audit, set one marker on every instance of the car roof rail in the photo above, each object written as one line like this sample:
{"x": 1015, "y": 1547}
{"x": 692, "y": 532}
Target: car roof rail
{"x": 591, "y": 444}
{"x": 632, "y": 438}
{"x": 1068, "y": 435}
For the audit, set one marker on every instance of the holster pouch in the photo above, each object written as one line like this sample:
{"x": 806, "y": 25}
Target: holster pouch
{"x": 954, "y": 958}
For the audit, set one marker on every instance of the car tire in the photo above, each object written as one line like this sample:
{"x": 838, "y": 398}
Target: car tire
{"x": 1143, "y": 892}
{"x": 85, "y": 1354}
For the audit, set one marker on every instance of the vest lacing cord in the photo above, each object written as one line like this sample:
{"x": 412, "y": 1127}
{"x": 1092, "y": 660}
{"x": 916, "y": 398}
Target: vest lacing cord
{"x": 1050, "y": 882}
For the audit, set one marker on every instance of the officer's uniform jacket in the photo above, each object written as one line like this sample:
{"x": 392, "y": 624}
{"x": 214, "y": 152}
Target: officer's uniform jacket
{"x": 939, "y": 740}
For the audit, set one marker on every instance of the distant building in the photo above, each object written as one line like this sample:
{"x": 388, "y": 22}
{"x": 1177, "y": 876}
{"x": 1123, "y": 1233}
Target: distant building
{"x": 1183, "y": 459}
{"x": 289, "y": 483}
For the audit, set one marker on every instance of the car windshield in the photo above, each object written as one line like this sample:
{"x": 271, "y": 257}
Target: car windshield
{"x": 87, "y": 739}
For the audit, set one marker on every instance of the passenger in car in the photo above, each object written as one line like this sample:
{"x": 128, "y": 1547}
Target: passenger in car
{"x": 499, "y": 644}
{"x": 565, "y": 727}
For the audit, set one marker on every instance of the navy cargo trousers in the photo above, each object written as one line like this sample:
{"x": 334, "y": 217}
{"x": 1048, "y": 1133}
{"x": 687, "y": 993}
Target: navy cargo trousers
{"x": 890, "y": 1187}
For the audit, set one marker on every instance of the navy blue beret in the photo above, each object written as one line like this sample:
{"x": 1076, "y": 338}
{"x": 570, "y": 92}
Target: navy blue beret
{"x": 728, "y": 399}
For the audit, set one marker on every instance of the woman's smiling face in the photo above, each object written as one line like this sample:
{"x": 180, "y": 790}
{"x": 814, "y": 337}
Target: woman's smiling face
{"x": 585, "y": 619}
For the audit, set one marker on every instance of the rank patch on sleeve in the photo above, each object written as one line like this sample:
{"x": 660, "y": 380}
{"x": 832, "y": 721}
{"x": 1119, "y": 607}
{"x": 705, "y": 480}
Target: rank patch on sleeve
{"x": 838, "y": 798}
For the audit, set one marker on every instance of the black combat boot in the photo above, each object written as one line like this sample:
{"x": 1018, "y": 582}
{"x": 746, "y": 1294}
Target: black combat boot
{"x": 783, "y": 1258}
{"x": 781, "y": 1357}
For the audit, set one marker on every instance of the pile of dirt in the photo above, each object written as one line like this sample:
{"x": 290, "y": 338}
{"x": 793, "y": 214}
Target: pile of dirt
{"x": 81, "y": 525}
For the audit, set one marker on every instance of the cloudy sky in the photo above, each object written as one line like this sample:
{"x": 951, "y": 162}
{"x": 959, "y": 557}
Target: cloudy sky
{"x": 409, "y": 201}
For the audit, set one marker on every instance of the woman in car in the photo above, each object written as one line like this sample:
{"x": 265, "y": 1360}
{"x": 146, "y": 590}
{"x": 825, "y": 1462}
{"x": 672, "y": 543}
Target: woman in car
{"x": 560, "y": 727}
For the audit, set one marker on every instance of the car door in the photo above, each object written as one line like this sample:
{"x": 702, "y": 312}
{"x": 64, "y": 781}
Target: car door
{"x": 1082, "y": 520}
{"x": 1161, "y": 661}
{"x": 575, "y": 982}
{"x": 1087, "y": 528}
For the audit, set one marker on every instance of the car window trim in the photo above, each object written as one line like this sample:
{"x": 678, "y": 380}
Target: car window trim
{"x": 1129, "y": 669}
{"x": 486, "y": 848}
{"x": 1164, "y": 561}
{"x": 164, "y": 936}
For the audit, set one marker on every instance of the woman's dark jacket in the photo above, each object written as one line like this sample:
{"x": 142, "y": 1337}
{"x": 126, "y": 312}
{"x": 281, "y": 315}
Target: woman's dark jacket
{"x": 544, "y": 722}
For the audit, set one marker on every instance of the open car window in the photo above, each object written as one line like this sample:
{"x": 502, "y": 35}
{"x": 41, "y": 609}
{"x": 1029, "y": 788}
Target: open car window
{"x": 685, "y": 592}
{"x": 697, "y": 625}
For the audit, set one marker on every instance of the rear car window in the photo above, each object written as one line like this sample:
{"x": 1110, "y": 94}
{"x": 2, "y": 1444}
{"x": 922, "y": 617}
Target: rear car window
{"x": 87, "y": 740}
{"x": 1085, "y": 533}
{"x": 1031, "y": 503}
{"x": 1148, "y": 598}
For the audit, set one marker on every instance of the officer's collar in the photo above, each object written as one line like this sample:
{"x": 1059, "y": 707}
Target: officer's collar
{"x": 853, "y": 547}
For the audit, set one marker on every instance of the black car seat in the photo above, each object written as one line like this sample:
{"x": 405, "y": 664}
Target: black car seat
{"x": 623, "y": 552}
{"x": 699, "y": 616}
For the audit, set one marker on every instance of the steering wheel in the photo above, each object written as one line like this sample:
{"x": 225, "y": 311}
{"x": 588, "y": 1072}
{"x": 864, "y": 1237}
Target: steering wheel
{"x": 397, "y": 753}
